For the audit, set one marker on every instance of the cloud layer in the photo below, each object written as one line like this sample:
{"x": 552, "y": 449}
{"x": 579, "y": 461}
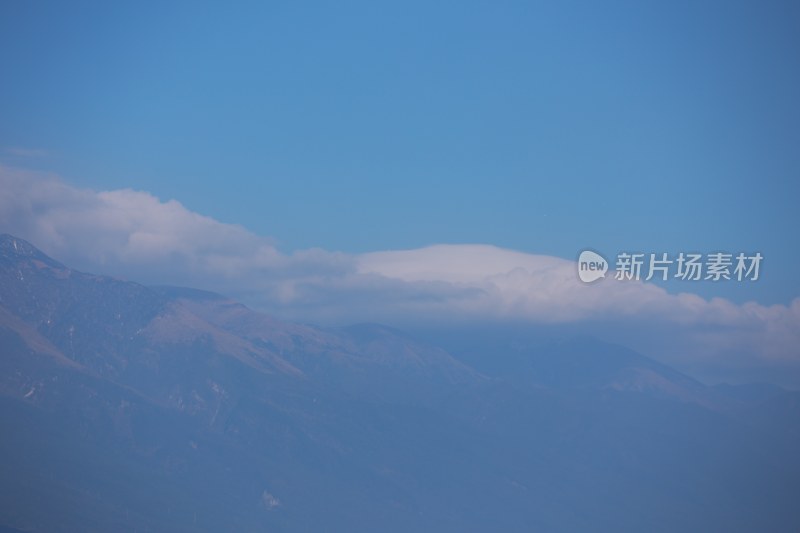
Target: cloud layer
{"x": 136, "y": 235}
{"x": 133, "y": 233}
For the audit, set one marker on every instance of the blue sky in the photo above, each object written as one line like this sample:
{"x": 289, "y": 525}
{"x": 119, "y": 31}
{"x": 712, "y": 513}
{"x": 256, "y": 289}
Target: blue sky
{"x": 357, "y": 127}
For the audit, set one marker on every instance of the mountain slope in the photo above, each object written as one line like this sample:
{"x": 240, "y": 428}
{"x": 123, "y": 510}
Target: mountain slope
{"x": 130, "y": 408}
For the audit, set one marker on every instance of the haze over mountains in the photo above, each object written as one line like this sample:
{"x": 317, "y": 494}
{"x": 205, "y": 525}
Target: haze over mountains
{"x": 134, "y": 408}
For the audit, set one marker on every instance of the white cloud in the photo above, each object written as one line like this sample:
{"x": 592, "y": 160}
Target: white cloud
{"x": 136, "y": 235}
{"x": 133, "y": 233}
{"x": 682, "y": 328}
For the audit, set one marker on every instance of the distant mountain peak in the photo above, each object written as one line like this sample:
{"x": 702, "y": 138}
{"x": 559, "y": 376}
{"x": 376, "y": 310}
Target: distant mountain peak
{"x": 13, "y": 248}
{"x": 12, "y": 245}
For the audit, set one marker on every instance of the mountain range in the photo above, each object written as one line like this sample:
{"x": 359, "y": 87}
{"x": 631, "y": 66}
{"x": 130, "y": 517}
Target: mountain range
{"x": 127, "y": 407}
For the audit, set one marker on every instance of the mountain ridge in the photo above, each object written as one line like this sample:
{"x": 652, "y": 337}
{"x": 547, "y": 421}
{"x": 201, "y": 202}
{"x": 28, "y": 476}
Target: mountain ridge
{"x": 125, "y": 407}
